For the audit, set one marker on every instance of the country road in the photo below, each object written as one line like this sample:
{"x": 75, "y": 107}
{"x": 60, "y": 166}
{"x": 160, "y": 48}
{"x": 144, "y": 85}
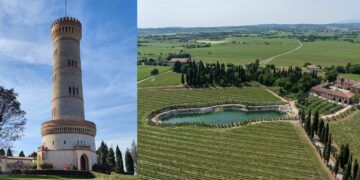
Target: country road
{"x": 268, "y": 60}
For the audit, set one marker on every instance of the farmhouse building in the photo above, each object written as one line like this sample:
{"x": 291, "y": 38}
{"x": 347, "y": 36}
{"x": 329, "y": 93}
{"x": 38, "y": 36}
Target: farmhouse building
{"x": 339, "y": 91}
{"x": 174, "y": 60}
{"x": 313, "y": 68}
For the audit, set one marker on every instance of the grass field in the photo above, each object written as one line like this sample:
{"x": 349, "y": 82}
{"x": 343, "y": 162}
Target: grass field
{"x": 144, "y": 71}
{"x": 243, "y": 50}
{"x": 347, "y": 130}
{"x": 355, "y": 77}
{"x": 325, "y": 53}
{"x": 163, "y": 79}
{"x": 273, "y": 150}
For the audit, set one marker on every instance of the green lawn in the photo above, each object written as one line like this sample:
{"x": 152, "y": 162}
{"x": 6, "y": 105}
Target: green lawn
{"x": 355, "y": 77}
{"x": 144, "y": 71}
{"x": 325, "y": 53}
{"x": 244, "y": 50}
{"x": 347, "y": 130}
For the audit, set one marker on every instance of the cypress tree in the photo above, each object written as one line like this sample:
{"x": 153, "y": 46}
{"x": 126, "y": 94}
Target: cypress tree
{"x": 316, "y": 121}
{"x": 355, "y": 169}
{"x": 357, "y": 175}
{"x": 2, "y": 152}
{"x": 119, "y": 161}
{"x": 326, "y": 134}
{"x": 9, "y": 152}
{"x": 336, "y": 167}
{"x": 182, "y": 78}
{"x": 345, "y": 156}
{"x": 328, "y": 149}
{"x": 111, "y": 159}
{"x": 321, "y": 126}
{"x": 129, "y": 163}
{"x": 347, "y": 171}
{"x": 21, "y": 154}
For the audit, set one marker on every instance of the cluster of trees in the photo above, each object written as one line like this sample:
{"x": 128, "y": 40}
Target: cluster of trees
{"x": 180, "y": 55}
{"x": 344, "y": 160}
{"x": 154, "y": 72}
{"x": 110, "y": 161}
{"x": 21, "y": 154}
{"x": 348, "y": 68}
{"x": 292, "y": 79}
{"x": 197, "y": 45}
{"x": 313, "y": 125}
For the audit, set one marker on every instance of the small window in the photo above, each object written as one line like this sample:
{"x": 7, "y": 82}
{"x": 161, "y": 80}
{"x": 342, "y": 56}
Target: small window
{"x": 64, "y": 142}
{"x": 69, "y": 90}
{"x": 69, "y": 62}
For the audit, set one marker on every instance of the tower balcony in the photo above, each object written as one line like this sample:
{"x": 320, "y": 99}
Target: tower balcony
{"x": 63, "y": 126}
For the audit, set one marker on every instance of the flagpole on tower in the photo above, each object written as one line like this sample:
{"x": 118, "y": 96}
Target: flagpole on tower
{"x": 65, "y": 7}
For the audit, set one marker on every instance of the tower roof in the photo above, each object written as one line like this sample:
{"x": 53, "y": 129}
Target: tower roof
{"x": 67, "y": 21}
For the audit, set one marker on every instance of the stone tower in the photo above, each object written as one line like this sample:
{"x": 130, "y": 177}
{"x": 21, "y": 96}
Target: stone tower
{"x": 68, "y": 140}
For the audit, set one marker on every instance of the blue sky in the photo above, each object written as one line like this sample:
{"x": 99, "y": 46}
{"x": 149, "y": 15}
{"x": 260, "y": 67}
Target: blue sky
{"x": 108, "y": 53}
{"x": 205, "y": 13}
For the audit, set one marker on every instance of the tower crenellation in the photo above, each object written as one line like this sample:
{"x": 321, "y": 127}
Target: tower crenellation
{"x": 66, "y": 27}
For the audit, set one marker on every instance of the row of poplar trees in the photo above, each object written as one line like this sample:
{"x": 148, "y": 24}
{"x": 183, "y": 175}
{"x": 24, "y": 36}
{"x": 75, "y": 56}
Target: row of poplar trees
{"x": 113, "y": 161}
{"x": 344, "y": 160}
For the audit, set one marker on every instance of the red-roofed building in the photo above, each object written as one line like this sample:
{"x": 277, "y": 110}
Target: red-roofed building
{"x": 339, "y": 91}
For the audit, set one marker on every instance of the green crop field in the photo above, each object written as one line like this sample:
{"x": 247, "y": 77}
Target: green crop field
{"x": 347, "y": 130}
{"x": 355, "y": 77}
{"x": 163, "y": 79}
{"x": 144, "y": 71}
{"x": 275, "y": 150}
{"x": 233, "y": 50}
{"x": 324, "y": 53}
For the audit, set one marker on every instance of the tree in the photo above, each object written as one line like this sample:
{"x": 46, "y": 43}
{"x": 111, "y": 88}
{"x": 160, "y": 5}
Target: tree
{"x": 21, "y": 154}
{"x": 177, "y": 66}
{"x": 2, "y": 152}
{"x": 355, "y": 168}
{"x": 111, "y": 159}
{"x": 133, "y": 152}
{"x": 316, "y": 121}
{"x": 347, "y": 171}
{"x": 336, "y": 167}
{"x": 182, "y": 78}
{"x": 357, "y": 175}
{"x": 129, "y": 163}
{"x": 102, "y": 153}
{"x": 154, "y": 72}
{"x": 321, "y": 126}
{"x": 12, "y": 118}
{"x": 119, "y": 161}
{"x": 33, "y": 155}
{"x": 344, "y": 156}
{"x": 327, "y": 150}
{"x": 331, "y": 75}
{"x": 9, "y": 152}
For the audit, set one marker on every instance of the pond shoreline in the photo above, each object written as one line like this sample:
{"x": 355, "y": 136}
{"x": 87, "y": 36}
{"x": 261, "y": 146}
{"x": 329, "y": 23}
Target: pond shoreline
{"x": 159, "y": 118}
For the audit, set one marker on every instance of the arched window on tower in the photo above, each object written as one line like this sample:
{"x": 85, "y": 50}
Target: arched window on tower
{"x": 72, "y": 63}
{"x": 74, "y": 90}
{"x": 69, "y": 90}
{"x": 69, "y": 63}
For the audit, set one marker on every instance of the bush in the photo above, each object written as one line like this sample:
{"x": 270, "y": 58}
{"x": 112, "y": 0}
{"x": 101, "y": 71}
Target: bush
{"x": 46, "y": 165}
{"x": 101, "y": 168}
{"x": 79, "y": 174}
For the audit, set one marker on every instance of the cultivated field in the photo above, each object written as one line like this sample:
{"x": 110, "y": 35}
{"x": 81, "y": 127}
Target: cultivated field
{"x": 163, "y": 79}
{"x": 239, "y": 50}
{"x": 347, "y": 130}
{"x": 274, "y": 150}
{"x": 323, "y": 106}
{"x": 324, "y": 53}
{"x": 144, "y": 71}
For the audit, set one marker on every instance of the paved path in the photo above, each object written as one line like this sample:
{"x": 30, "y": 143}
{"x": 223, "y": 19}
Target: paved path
{"x": 268, "y": 60}
{"x": 153, "y": 76}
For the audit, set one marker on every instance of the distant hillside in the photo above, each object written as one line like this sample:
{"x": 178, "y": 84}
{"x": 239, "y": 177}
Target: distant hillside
{"x": 251, "y": 28}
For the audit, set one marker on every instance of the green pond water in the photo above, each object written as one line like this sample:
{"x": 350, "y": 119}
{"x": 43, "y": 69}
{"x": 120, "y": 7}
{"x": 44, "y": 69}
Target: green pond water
{"x": 224, "y": 117}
